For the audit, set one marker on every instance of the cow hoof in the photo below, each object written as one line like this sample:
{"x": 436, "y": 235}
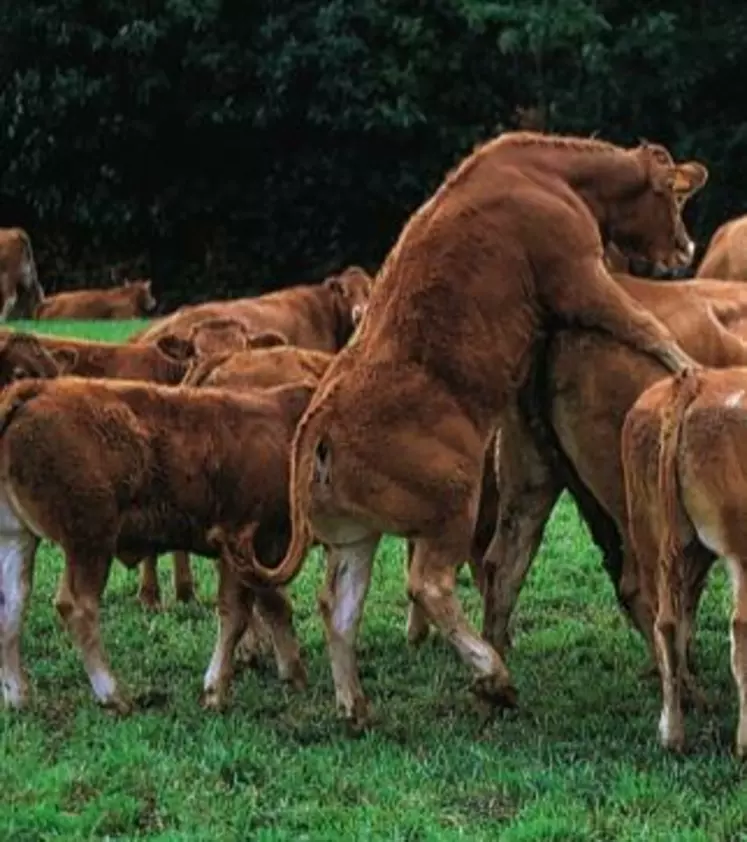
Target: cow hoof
{"x": 150, "y": 600}
{"x": 418, "y": 627}
{"x": 118, "y": 706}
{"x": 741, "y": 751}
{"x": 358, "y": 717}
{"x": 295, "y": 675}
{"x": 15, "y": 694}
{"x": 213, "y": 699}
{"x": 499, "y": 691}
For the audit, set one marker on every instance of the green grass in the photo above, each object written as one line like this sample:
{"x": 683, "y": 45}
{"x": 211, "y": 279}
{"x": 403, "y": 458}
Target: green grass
{"x": 578, "y": 761}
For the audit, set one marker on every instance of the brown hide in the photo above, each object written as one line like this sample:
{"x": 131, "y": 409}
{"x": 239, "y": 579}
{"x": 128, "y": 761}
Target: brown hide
{"x": 105, "y": 467}
{"x": 572, "y": 413}
{"x": 319, "y": 316}
{"x": 165, "y": 361}
{"x": 684, "y": 455}
{"x": 726, "y": 255}
{"x": 394, "y": 439}
{"x": 132, "y": 300}
{"x": 20, "y": 290}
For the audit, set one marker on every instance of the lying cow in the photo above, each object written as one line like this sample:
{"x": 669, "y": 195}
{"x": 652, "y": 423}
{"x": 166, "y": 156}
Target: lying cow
{"x": 247, "y": 370}
{"x": 105, "y": 468}
{"x": 684, "y": 453}
{"x": 318, "y": 316}
{"x": 132, "y": 300}
{"x": 20, "y": 290}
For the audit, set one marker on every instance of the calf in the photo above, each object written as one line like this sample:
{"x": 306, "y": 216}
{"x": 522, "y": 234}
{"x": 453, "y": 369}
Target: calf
{"x": 105, "y": 467}
{"x": 318, "y": 316}
{"x": 132, "y": 300}
{"x": 165, "y": 361}
{"x": 684, "y": 452}
{"x": 20, "y": 290}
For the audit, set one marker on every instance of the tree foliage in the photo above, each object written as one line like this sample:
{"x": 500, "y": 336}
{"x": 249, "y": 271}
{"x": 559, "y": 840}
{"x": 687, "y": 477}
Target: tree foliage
{"x": 226, "y": 147}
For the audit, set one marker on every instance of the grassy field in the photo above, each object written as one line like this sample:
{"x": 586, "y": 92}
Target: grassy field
{"x": 578, "y": 761}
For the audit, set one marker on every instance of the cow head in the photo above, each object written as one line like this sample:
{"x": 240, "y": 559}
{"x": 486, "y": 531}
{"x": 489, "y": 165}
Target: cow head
{"x": 648, "y": 225}
{"x": 23, "y": 356}
{"x": 351, "y": 289}
{"x": 144, "y": 299}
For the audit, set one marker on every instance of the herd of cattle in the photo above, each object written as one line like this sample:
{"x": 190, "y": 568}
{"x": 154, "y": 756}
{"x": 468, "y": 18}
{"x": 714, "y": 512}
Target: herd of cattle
{"x": 500, "y": 349}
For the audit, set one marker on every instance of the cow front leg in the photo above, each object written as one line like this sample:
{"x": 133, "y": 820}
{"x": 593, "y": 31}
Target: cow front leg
{"x": 78, "y": 603}
{"x": 17, "y": 552}
{"x": 348, "y": 576}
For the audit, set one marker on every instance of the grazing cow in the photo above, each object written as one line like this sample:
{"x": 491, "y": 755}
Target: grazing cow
{"x": 394, "y": 439}
{"x": 115, "y": 467}
{"x": 20, "y": 290}
{"x": 726, "y": 255}
{"x": 165, "y": 361}
{"x": 318, "y": 316}
{"x": 244, "y": 371}
{"x": 571, "y": 411}
{"x": 684, "y": 454}
{"x": 132, "y": 300}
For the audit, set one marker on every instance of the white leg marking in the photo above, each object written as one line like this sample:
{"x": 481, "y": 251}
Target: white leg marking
{"x": 104, "y": 685}
{"x": 213, "y": 671}
{"x": 16, "y": 549}
{"x": 734, "y": 399}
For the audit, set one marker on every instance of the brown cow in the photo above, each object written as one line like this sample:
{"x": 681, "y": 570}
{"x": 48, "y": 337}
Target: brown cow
{"x": 395, "y": 436}
{"x": 165, "y": 361}
{"x": 244, "y": 370}
{"x": 588, "y": 382}
{"x": 572, "y": 411}
{"x": 132, "y": 300}
{"x": 107, "y": 467}
{"x": 318, "y": 316}
{"x": 726, "y": 255}
{"x": 20, "y": 290}
{"x": 684, "y": 453}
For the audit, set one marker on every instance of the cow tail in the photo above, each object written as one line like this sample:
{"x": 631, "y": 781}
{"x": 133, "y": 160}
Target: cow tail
{"x": 684, "y": 390}
{"x": 238, "y": 550}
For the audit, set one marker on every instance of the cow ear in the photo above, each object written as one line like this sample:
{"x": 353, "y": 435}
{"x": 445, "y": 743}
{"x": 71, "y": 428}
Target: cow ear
{"x": 268, "y": 339}
{"x": 176, "y": 347}
{"x": 65, "y": 358}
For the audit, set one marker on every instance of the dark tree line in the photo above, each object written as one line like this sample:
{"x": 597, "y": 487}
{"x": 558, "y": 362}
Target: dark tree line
{"x": 226, "y": 147}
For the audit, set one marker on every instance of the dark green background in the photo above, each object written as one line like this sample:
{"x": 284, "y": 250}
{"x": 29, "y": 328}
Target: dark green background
{"x": 232, "y": 147}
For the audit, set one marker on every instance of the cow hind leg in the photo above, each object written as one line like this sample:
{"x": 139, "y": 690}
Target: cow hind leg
{"x": 348, "y": 576}
{"x": 738, "y": 635}
{"x": 78, "y": 603}
{"x": 17, "y": 551}
{"x": 149, "y": 593}
{"x": 417, "y": 620}
{"x": 184, "y": 586}
{"x": 276, "y": 613}
{"x": 431, "y": 585}
{"x": 667, "y": 640}
{"x": 235, "y": 601}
